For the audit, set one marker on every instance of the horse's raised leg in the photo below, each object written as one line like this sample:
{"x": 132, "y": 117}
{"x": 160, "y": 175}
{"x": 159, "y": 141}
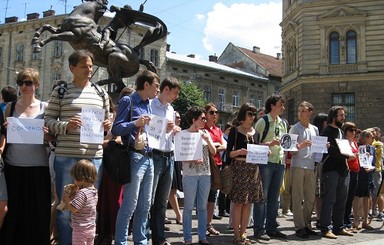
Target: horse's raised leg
{"x": 36, "y": 43}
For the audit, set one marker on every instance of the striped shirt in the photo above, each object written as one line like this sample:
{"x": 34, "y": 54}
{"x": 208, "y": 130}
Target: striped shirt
{"x": 85, "y": 202}
{"x": 59, "y": 111}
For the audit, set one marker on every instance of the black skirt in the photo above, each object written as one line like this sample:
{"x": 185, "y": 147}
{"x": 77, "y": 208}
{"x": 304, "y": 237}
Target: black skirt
{"x": 177, "y": 176}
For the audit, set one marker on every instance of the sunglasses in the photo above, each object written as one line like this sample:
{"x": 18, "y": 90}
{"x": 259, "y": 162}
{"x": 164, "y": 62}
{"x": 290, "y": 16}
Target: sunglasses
{"x": 352, "y": 130}
{"x": 213, "y": 112}
{"x": 252, "y": 114}
{"x": 27, "y": 83}
{"x": 203, "y": 119}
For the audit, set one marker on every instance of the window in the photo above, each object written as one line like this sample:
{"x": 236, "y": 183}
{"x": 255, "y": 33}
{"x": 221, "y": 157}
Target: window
{"x": 141, "y": 54}
{"x": 154, "y": 57}
{"x": 36, "y": 56}
{"x": 236, "y": 98}
{"x": 348, "y": 101}
{"x": 351, "y": 47}
{"x": 19, "y": 52}
{"x": 221, "y": 96}
{"x": 260, "y": 102}
{"x": 252, "y": 99}
{"x": 58, "y": 48}
{"x": 334, "y": 48}
{"x": 56, "y": 77}
{"x": 207, "y": 93}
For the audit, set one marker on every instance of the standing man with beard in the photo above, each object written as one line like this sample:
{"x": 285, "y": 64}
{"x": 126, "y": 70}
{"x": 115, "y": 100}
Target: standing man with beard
{"x": 335, "y": 178}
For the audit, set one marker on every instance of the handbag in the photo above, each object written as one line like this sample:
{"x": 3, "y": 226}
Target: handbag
{"x": 215, "y": 173}
{"x": 226, "y": 180}
{"x": 116, "y": 159}
{"x": 226, "y": 174}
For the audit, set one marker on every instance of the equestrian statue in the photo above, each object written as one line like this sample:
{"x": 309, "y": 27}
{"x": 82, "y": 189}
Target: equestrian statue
{"x": 80, "y": 28}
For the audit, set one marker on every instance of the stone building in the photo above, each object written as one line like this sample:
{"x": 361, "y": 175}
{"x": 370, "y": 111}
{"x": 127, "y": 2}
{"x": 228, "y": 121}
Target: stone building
{"x": 52, "y": 63}
{"x": 226, "y": 87}
{"x": 334, "y": 55}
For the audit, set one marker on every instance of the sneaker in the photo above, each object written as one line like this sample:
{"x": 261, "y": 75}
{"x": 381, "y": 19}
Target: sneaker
{"x": 281, "y": 215}
{"x": 278, "y": 234}
{"x": 263, "y": 237}
{"x": 224, "y": 214}
{"x": 289, "y": 213}
{"x": 216, "y": 217}
{"x": 380, "y": 217}
{"x": 310, "y": 232}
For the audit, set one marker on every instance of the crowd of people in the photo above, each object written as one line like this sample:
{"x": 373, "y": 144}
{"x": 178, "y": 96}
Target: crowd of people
{"x": 96, "y": 210}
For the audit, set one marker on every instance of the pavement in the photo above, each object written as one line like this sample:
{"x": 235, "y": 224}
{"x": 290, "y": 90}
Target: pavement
{"x": 371, "y": 237}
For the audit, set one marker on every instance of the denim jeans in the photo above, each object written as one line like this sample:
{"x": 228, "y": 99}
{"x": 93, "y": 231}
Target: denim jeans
{"x": 333, "y": 200}
{"x": 162, "y": 182}
{"x": 62, "y": 167}
{"x": 136, "y": 199}
{"x": 265, "y": 213}
{"x": 195, "y": 188}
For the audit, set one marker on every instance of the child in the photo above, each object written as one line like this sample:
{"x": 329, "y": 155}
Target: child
{"x": 83, "y": 204}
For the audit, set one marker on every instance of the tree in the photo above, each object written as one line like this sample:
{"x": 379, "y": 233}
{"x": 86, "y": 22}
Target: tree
{"x": 190, "y": 95}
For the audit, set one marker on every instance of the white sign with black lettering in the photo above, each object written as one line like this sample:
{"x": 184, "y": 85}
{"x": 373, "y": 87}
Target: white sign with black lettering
{"x": 92, "y": 130}
{"x": 25, "y": 131}
{"x": 319, "y": 144}
{"x": 156, "y": 130}
{"x": 188, "y": 146}
{"x": 257, "y": 154}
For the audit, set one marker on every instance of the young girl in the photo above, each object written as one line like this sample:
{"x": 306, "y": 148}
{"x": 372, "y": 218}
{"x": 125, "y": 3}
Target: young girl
{"x": 83, "y": 204}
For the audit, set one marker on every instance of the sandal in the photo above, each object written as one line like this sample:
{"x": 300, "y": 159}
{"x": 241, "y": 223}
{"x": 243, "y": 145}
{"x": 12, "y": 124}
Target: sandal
{"x": 245, "y": 240}
{"x": 212, "y": 231}
{"x": 238, "y": 241}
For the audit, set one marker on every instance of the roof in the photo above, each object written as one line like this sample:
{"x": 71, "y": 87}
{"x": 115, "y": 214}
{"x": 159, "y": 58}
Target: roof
{"x": 271, "y": 63}
{"x": 210, "y": 64}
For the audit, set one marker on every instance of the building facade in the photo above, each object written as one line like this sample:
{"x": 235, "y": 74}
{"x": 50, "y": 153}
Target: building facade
{"x": 333, "y": 54}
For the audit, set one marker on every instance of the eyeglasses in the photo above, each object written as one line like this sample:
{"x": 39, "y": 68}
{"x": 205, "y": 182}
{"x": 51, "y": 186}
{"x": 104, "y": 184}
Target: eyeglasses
{"x": 213, "y": 112}
{"x": 27, "y": 83}
{"x": 251, "y": 114}
{"x": 352, "y": 130}
{"x": 203, "y": 119}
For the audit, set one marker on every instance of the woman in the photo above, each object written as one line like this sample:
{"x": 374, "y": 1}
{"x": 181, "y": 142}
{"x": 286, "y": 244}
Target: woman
{"x": 365, "y": 183}
{"x": 349, "y": 130}
{"x": 247, "y": 186}
{"x": 197, "y": 179}
{"x": 27, "y": 174}
{"x": 216, "y": 134}
{"x": 176, "y": 182}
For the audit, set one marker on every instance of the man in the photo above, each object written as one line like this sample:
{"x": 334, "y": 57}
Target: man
{"x": 163, "y": 159}
{"x": 377, "y": 199}
{"x": 265, "y": 214}
{"x": 335, "y": 178}
{"x": 303, "y": 178}
{"x": 63, "y": 118}
{"x": 136, "y": 194}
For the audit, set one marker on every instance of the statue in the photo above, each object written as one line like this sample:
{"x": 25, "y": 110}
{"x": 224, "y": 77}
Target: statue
{"x": 80, "y": 28}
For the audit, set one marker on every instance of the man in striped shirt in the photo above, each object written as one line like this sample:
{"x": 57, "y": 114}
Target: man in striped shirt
{"x": 63, "y": 118}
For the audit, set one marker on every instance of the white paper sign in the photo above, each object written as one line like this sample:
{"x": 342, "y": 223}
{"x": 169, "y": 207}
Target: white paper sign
{"x": 319, "y": 144}
{"x": 257, "y": 154}
{"x": 344, "y": 147}
{"x": 188, "y": 146}
{"x": 25, "y": 131}
{"x": 365, "y": 159}
{"x": 92, "y": 130}
{"x": 156, "y": 130}
{"x": 288, "y": 142}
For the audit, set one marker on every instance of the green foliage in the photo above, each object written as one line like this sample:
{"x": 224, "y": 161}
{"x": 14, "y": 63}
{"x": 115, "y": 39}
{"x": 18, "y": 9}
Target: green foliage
{"x": 190, "y": 95}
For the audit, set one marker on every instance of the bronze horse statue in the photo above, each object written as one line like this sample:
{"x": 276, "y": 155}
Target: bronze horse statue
{"x": 80, "y": 28}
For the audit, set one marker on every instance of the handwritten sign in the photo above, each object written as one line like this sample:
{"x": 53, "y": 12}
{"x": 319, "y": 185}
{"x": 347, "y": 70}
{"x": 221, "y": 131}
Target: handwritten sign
{"x": 344, "y": 147}
{"x": 156, "y": 130}
{"x": 319, "y": 144}
{"x": 288, "y": 142}
{"x": 25, "y": 131}
{"x": 257, "y": 154}
{"x": 188, "y": 146}
{"x": 92, "y": 130}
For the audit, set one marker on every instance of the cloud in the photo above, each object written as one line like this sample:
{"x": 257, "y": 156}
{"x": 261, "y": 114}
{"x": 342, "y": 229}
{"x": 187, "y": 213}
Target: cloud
{"x": 200, "y": 16}
{"x": 245, "y": 25}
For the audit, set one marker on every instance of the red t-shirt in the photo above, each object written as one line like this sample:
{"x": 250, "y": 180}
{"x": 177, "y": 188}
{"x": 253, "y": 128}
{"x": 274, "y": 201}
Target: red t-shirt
{"x": 354, "y": 165}
{"x": 216, "y": 136}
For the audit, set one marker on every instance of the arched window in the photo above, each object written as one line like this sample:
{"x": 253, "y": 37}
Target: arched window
{"x": 334, "y": 48}
{"x": 351, "y": 47}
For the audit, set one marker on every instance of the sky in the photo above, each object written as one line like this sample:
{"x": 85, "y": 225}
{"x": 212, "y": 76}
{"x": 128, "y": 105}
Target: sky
{"x": 199, "y": 27}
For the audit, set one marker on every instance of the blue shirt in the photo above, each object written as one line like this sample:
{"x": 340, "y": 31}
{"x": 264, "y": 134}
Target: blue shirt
{"x": 124, "y": 127}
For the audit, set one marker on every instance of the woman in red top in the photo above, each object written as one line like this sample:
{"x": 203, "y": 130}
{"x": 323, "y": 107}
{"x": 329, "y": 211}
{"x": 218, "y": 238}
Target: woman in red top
{"x": 349, "y": 129}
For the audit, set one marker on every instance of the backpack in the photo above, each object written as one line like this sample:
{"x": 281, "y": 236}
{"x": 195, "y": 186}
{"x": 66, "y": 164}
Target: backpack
{"x": 266, "y": 128}
{"x": 63, "y": 89}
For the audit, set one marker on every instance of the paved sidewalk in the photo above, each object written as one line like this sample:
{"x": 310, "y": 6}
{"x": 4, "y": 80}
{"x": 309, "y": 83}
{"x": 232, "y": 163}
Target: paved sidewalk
{"x": 175, "y": 235}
